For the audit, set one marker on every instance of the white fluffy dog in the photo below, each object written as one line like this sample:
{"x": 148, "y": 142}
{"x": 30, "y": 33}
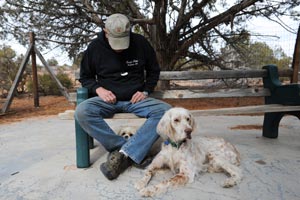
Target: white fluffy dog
{"x": 127, "y": 131}
{"x": 186, "y": 157}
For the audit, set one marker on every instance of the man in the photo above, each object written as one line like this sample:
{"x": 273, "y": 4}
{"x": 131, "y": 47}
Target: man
{"x": 112, "y": 69}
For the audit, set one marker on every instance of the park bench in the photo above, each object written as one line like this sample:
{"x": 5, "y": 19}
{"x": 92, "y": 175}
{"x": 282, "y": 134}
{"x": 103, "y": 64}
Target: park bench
{"x": 280, "y": 99}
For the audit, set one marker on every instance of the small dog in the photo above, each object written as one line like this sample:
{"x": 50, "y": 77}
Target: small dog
{"x": 127, "y": 131}
{"x": 186, "y": 157}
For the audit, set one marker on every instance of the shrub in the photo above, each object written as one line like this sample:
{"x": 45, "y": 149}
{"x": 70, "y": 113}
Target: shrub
{"x": 49, "y": 87}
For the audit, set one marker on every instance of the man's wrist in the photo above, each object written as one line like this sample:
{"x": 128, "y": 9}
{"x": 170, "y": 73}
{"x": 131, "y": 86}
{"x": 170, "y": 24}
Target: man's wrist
{"x": 146, "y": 93}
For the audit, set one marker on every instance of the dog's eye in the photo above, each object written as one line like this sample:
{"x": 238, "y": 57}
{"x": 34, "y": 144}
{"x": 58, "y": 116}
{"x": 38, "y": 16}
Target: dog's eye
{"x": 123, "y": 133}
{"x": 188, "y": 119}
{"x": 130, "y": 134}
{"x": 176, "y": 120}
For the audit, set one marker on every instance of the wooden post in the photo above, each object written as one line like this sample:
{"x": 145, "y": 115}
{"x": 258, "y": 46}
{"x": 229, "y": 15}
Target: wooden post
{"x": 14, "y": 86}
{"x": 296, "y": 59}
{"x": 34, "y": 72}
{"x": 62, "y": 89}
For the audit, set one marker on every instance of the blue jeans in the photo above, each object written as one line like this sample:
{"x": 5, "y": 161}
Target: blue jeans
{"x": 90, "y": 114}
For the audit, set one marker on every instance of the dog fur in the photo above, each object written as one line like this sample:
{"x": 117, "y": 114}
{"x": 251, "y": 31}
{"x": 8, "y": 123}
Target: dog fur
{"x": 205, "y": 154}
{"x": 127, "y": 131}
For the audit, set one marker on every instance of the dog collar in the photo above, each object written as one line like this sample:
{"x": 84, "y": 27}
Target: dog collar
{"x": 174, "y": 144}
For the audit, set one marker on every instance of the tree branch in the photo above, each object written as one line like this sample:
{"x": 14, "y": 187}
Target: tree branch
{"x": 224, "y": 17}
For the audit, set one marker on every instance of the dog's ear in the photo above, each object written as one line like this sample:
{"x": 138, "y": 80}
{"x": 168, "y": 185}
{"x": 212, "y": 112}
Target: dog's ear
{"x": 164, "y": 126}
{"x": 193, "y": 124}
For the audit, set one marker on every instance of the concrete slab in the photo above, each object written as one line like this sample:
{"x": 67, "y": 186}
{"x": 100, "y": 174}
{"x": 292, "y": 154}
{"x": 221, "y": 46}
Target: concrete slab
{"x": 37, "y": 161}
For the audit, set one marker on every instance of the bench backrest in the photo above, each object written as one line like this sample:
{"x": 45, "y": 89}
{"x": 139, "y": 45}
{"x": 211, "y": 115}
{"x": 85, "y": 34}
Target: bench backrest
{"x": 167, "y": 90}
{"x": 214, "y": 92}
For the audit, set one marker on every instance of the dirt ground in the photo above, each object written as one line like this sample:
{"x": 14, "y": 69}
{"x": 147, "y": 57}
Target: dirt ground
{"x": 23, "y": 108}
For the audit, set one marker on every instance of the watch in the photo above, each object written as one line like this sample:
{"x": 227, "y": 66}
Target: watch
{"x": 145, "y": 93}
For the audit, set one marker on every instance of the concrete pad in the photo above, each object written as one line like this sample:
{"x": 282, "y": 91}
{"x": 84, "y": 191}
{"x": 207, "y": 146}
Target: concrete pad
{"x": 37, "y": 161}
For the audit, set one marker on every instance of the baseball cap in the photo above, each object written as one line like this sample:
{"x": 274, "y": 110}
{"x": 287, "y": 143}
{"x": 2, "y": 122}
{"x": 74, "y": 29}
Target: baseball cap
{"x": 118, "y": 29}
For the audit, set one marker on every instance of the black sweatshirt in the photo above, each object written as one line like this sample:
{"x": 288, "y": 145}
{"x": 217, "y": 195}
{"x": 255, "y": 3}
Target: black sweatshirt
{"x": 122, "y": 73}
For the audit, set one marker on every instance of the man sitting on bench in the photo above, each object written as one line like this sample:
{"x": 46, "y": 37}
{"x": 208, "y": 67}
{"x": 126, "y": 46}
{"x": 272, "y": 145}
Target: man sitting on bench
{"x": 112, "y": 69}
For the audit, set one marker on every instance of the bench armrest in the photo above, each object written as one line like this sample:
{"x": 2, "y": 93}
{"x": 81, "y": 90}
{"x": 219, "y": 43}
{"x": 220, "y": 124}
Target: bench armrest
{"x": 288, "y": 94}
{"x": 271, "y": 81}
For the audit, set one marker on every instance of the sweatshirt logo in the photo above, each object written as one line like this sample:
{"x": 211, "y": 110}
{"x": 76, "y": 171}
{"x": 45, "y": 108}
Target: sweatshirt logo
{"x": 132, "y": 63}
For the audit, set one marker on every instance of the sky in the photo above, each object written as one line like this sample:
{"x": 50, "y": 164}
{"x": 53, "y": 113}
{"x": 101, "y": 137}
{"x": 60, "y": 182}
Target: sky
{"x": 59, "y": 55}
{"x": 276, "y": 34}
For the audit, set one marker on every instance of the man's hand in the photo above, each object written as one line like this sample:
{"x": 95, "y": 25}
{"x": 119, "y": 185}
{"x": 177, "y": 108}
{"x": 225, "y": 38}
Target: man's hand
{"x": 106, "y": 95}
{"x": 138, "y": 96}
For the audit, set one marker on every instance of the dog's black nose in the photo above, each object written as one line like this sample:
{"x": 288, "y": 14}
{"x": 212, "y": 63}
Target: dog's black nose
{"x": 126, "y": 137}
{"x": 188, "y": 132}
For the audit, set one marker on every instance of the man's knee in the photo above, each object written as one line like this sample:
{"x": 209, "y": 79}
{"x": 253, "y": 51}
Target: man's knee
{"x": 80, "y": 112}
{"x": 163, "y": 107}
{"x": 160, "y": 110}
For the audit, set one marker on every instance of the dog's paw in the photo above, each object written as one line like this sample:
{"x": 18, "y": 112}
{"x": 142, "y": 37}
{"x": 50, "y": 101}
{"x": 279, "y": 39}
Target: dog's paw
{"x": 203, "y": 168}
{"x": 147, "y": 192}
{"x": 140, "y": 185}
{"x": 230, "y": 182}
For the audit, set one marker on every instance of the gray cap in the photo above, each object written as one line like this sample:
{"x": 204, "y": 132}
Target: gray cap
{"x": 118, "y": 29}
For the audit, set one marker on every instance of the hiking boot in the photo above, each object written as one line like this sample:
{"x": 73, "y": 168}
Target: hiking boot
{"x": 116, "y": 164}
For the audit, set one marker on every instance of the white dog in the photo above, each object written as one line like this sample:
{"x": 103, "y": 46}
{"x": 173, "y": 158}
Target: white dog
{"x": 127, "y": 131}
{"x": 186, "y": 157}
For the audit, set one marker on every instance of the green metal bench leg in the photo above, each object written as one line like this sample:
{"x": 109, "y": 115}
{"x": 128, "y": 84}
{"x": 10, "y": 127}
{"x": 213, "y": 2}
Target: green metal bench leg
{"x": 272, "y": 120}
{"x": 82, "y": 138}
{"x": 82, "y": 147}
{"x": 271, "y": 124}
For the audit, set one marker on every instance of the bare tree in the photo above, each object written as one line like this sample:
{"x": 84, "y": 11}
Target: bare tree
{"x": 184, "y": 33}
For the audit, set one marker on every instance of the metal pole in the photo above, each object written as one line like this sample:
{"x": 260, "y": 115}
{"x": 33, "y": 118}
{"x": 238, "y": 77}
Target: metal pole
{"x": 34, "y": 71}
{"x": 296, "y": 59}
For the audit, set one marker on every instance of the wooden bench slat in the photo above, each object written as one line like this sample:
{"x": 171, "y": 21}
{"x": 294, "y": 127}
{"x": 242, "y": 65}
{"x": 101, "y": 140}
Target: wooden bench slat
{"x": 124, "y": 116}
{"x": 190, "y": 93}
{"x": 197, "y": 75}
{"x": 223, "y": 74}
{"x": 247, "y": 110}
{"x": 226, "y": 111}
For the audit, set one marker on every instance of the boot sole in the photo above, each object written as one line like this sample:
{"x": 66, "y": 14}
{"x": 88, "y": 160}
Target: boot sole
{"x": 106, "y": 173}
